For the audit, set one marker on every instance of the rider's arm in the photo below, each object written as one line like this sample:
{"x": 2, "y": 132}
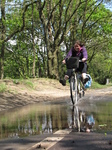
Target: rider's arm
{"x": 84, "y": 59}
{"x": 85, "y": 56}
{"x": 69, "y": 54}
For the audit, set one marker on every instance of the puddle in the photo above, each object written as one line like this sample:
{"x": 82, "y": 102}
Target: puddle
{"x": 49, "y": 117}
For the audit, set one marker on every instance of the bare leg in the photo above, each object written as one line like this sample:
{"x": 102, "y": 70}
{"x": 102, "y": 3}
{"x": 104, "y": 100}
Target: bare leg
{"x": 63, "y": 82}
{"x": 83, "y": 75}
{"x": 66, "y": 77}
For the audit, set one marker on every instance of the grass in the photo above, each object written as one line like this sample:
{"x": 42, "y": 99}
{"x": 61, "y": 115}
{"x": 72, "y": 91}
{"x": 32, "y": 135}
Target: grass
{"x": 96, "y": 85}
{"x": 29, "y": 83}
{"x": 3, "y": 87}
{"x": 16, "y": 81}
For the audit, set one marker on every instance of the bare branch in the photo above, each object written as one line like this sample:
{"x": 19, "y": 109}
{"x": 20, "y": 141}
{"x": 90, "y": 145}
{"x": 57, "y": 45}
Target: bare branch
{"x": 67, "y": 21}
{"x": 50, "y": 16}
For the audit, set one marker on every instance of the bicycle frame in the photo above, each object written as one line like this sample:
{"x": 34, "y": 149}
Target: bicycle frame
{"x": 75, "y": 82}
{"x": 76, "y": 87}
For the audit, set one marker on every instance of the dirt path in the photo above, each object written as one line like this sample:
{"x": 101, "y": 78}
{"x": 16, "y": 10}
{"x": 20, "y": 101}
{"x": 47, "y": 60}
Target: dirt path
{"x": 44, "y": 90}
{"x": 20, "y": 95}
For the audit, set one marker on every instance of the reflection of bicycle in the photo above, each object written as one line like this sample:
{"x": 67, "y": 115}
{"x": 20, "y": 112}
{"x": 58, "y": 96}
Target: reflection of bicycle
{"x": 76, "y": 118}
{"x": 81, "y": 121}
{"x": 76, "y": 85}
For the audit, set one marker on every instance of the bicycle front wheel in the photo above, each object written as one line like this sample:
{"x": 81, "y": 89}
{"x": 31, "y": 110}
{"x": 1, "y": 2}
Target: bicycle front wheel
{"x": 73, "y": 90}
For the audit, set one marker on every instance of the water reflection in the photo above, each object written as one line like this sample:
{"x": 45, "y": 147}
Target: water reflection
{"x": 31, "y": 120}
{"x": 81, "y": 121}
{"x": 47, "y": 118}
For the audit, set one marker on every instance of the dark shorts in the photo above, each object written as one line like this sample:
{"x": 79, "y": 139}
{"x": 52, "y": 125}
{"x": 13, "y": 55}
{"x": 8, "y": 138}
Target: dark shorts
{"x": 82, "y": 69}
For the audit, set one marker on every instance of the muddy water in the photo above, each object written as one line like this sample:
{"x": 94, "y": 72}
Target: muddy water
{"x": 49, "y": 117}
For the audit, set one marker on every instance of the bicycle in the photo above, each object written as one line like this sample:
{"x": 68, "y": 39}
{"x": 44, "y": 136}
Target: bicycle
{"x": 81, "y": 121}
{"x": 76, "y": 85}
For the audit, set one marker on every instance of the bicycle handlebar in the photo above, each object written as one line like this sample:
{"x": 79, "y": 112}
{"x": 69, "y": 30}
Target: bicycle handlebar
{"x": 79, "y": 61}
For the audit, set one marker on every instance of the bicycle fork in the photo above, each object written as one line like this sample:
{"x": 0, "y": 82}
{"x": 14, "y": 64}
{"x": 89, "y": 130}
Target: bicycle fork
{"x": 76, "y": 90}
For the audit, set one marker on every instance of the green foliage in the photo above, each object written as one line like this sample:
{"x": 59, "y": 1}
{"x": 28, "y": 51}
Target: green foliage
{"x": 46, "y": 28}
{"x": 101, "y": 67}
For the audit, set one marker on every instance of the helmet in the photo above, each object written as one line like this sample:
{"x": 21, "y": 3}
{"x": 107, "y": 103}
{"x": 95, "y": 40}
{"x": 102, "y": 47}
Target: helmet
{"x": 89, "y": 82}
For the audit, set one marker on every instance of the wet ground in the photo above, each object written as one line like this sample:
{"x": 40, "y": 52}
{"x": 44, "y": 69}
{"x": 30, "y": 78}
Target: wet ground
{"x": 42, "y": 118}
{"x": 22, "y": 127}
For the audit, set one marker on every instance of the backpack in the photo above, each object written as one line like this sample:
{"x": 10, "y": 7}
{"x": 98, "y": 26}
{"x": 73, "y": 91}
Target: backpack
{"x": 89, "y": 82}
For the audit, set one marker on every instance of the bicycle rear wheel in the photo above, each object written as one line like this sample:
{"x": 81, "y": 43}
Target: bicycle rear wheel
{"x": 73, "y": 90}
{"x": 80, "y": 88}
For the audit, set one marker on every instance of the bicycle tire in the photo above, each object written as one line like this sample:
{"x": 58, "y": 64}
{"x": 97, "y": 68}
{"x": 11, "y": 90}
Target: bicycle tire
{"x": 73, "y": 90}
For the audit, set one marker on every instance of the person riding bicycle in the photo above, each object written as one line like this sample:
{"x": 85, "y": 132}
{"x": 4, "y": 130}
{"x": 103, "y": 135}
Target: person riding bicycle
{"x": 77, "y": 51}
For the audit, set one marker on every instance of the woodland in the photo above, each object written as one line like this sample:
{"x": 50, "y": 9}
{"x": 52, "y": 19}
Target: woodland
{"x": 35, "y": 36}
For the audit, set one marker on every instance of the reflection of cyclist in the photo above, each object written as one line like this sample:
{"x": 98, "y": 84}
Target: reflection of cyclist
{"x": 87, "y": 122}
{"x": 77, "y": 51}
{"x": 81, "y": 121}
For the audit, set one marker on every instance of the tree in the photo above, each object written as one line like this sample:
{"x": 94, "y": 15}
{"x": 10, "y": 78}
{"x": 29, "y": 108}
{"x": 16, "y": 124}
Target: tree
{"x": 11, "y": 30}
{"x": 55, "y": 26}
{"x": 42, "y": 28}
{"x": 2, "y": 38}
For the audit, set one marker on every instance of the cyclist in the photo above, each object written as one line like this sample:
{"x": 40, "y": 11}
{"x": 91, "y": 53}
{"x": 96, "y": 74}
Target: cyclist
{"x": 77, "y": 51}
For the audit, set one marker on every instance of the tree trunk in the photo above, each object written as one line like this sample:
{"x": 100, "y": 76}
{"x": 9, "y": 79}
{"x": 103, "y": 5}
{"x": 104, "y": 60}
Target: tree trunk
{"x": 2, "y": 61}
{"x": 52, "y": 63}
{"x": 2, "y": 45}
{"x": 27, "y": 64}
{"x": 33, "y": 44}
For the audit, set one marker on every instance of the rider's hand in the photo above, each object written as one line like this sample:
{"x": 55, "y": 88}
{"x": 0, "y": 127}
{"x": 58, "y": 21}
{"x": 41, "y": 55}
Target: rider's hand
{"x": 83, "y": 59}
{"x": 64, "y": 61}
